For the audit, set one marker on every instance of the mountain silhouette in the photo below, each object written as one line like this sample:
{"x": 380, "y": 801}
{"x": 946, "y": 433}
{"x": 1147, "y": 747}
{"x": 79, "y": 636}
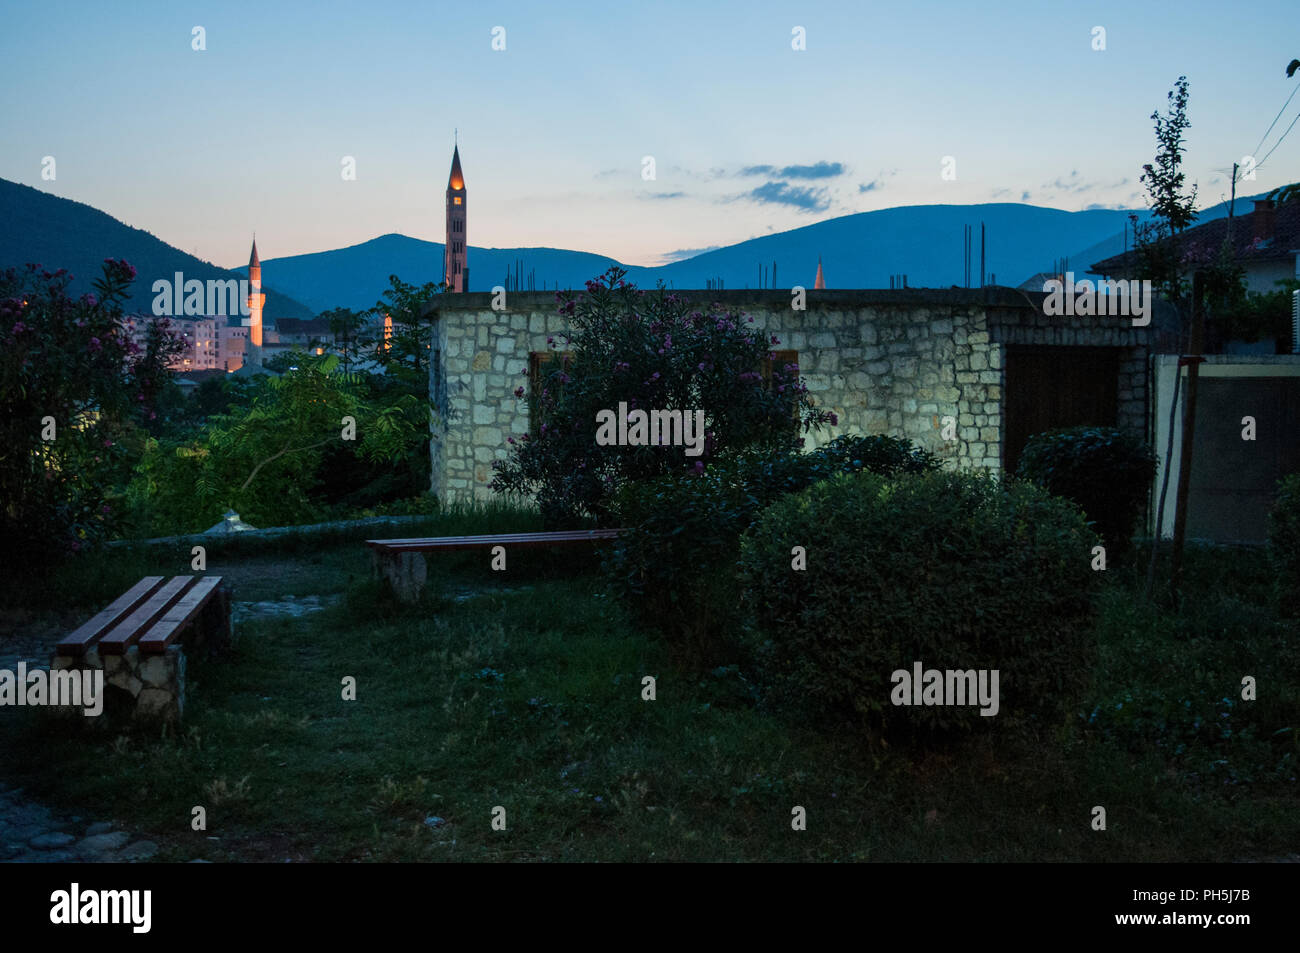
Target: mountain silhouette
{"x": 59, "y": 233}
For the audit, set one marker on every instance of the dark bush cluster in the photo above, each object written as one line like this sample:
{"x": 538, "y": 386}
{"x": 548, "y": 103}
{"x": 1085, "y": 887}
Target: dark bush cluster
{"x": 1284, "y": 545}
{"x": 953, "y": 570}
{"x": 676, "y": 565}
{"x": 1106, "y": 471}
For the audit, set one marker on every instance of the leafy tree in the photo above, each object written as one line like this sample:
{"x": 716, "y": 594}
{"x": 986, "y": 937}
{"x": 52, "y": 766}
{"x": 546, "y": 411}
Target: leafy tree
{"x": 650, "y": 351}
{"x": 151, "y": 370}
{"x": 347, "y": 327}
{"x": 265, "y": 462}
{"x": 68, "y": 364}
{"x": 406, "y": 353}
{"x": 1157, "y": 242}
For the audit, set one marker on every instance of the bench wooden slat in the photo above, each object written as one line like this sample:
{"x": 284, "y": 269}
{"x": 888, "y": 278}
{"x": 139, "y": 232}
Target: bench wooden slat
{"x": 130, "y": 629}
{"x": 511, "y": 539}
{"x": 179, "y": 615}
{"x": 77, "y": 642}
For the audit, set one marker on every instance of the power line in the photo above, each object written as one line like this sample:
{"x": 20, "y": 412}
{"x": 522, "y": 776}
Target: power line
{"x": 1276, "y": 118}
{"x": 1279, "y": 142}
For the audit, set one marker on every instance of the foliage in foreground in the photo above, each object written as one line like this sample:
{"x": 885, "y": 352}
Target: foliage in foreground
{"x": 1108, "y": 472}
{"x": 952, "y": 570}
{"x": 648, "y": 351}
{"x": 675, "y": 567}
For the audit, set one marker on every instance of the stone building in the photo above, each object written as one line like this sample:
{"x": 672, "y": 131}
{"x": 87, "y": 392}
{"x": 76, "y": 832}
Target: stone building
{"x": 896, "y": 362}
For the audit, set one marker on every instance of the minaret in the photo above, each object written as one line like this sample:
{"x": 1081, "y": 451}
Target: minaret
{"x": 456, "y": 259}
{"x": 820, "y": 281}
{"x": 255, "y": 302}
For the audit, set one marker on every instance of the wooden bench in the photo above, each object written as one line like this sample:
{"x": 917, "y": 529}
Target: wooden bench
{"x": 137, "y": 640}
{"x": 402, "y": 562}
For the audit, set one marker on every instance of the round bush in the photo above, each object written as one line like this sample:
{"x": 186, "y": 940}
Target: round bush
{"x": 675, "y": 566}
{"x": 952, "y": 570}
{"x": 1284, "y": 544}
{"x": 1106, "y": 471}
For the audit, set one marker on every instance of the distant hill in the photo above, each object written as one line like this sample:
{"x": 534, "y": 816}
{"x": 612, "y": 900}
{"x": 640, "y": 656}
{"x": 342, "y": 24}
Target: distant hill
{"x": 58, "y": 233}
{"x": 864, "y": 250}
{"x": 357, "y": 276}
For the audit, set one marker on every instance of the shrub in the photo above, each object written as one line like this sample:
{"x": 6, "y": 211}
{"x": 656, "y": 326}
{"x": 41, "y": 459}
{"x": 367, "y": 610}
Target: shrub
{"x": 676, "y": 565}
{"x": 1106, "y": 471}
{"x": 74, "y": 391}
{"x": 1284, "y": 545}
{"x": 266, "y": 461}
{"x": 955, "y": 571}
{"x": 648, "y": 350}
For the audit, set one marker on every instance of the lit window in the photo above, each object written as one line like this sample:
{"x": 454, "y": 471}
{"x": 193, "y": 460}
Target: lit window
{"x": 456, "y": 200}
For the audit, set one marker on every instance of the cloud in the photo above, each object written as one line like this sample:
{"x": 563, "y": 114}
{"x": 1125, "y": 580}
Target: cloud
{"x": 783, "y": 193}
{"x": 683, "y": 253}
{"x": 1024, "y": 196}
{"x": 873, "y": 186}
{"x": 1075, "y": 183}
{"x": 818, "y": 170}
{"x": 661, "y": 195}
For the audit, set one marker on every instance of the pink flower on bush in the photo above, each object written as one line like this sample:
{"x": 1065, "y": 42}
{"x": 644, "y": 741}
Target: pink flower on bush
{"x": 94, "y": 347}
{"x": 519, "y": 392}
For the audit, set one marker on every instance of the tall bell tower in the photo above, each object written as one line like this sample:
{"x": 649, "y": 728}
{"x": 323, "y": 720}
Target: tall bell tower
{"x": 456, "y": 256}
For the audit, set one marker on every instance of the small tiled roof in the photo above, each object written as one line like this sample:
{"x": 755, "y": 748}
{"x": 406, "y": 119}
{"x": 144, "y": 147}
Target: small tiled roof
{"x": 1202, "y": 242}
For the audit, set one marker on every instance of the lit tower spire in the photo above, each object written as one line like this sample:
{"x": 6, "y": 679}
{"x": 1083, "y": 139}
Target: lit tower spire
{"x": 820, "y": 281}
{"x": 456, "y": 256}
{"x": 255, "y": 302}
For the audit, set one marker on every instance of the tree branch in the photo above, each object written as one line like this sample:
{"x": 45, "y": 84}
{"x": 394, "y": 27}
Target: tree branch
{"x": 276, "y": 456}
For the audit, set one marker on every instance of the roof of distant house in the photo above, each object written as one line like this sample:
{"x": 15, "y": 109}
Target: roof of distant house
{"x": 319, "y": 326}
{"x": 1247, "y": 236}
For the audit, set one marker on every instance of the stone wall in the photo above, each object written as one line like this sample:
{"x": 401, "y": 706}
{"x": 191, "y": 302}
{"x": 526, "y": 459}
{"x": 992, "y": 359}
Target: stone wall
{"x": 894, "y": 362}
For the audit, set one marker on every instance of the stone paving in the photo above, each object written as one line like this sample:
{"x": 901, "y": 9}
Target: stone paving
{"x": 31, "y": 833}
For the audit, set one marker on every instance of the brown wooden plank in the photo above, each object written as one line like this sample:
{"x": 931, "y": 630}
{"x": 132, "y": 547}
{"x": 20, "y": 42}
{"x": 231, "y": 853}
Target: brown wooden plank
{"x": 473, "y": 542}
{"x": 133, "y": 626}
{"x": 76, "y": 643}
{"x": 560, "y": 534}
{"x": 184, "y": 611}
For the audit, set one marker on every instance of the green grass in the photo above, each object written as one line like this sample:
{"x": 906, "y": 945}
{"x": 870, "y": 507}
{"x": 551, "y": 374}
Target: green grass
{"x": 527, "y": 695}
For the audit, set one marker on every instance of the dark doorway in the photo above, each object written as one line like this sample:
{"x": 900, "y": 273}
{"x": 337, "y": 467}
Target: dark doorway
{"x": 1050, "y": 387}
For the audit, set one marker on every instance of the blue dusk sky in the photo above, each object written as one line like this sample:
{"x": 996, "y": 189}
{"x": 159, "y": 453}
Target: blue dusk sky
{"x": 748, "y": 135}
